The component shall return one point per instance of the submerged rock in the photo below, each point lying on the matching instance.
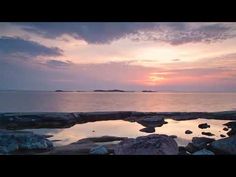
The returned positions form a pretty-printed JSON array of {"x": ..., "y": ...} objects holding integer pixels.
[
  {"x": 153, "y": 121},
  {"x": 98, "y": 150},
  {"x": 18, "y": 142},
  {"x": 204, "y": 126},
  {"x": 225, "y": 145},
  {"x": 208, "y": 134},
  {"x": 147, "y": 145},
  {"x": 188, "y": 132},
  {"x": 203, "y": 152},
  {"x": 225, "y": 129},
  {"x": 147, "y": 130}
]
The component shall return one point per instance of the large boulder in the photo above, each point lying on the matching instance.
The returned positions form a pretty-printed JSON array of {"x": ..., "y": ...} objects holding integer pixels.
[
  {"x": 152, "y": 121},
  {"x": 22, "y": 142},
  {"x": 225, "y": 146},
  {"x": 198, "y": 143},
  {"x": 155, "y": 144}
]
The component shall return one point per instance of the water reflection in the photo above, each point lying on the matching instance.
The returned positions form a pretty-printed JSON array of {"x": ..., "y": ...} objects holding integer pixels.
[{"x": 131, "y": 129}]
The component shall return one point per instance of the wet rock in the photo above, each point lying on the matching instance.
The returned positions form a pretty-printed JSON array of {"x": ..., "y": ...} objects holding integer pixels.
[
  {"x": 101, "y": 139},
  {"x": 173, "y": 136},
  {"x": 208, "y": 134},
  {"x": 188, "y": 132},
  {"x": 147, "y": 145},
  {"x": 203, "y": 152},
  {"x": 147, "y": 130},
  {"x": 203, "y": 126},
  {"x": 225, "y": 129},
  {"x": 98, "y": 150},
  {"x": 225, "y": 145},
  {"x": 153, "y": 121},
  {"x": 231, "y": 125},
  {"x": 18, "y": 142},
  {"x": 222, "y": 136}
]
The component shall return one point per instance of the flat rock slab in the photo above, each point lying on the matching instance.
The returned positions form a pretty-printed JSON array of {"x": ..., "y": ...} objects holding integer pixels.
[
  {"x": 147, "y": 145},
  {"x": 39, "y": 120},
  {"x": 65, "y": 120},
  {"x": 21, "y": 142}
]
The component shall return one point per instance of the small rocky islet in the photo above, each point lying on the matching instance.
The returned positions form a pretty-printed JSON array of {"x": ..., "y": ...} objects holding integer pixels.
[{"x": 15, "y": 141}]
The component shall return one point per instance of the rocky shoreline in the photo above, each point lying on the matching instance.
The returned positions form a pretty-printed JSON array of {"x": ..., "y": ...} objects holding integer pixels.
[{"x": 13, "y": 141}]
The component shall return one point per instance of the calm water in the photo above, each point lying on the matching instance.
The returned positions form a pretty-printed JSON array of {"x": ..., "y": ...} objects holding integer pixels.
[
  {"x": 22, "y": 101},
  {"x": 131, "y": 130}
]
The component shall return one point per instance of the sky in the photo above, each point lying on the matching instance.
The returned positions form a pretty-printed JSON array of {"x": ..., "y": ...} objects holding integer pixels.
[{"x": 162, "y": 56}]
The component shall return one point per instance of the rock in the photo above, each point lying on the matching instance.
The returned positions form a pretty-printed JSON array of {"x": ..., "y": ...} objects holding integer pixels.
[
  {"x": 18, "y": 142},
  {"x": 231, "y": 125},
  {"x": 16, "y": 121},
  {"x": 222, "y": 136},
  {"x": 101, "y": 139},
  {"x": 147, "y": 130},
  {"x": 203, "y": 126},
  {"x": 198, "y": 143},
  {"x": 188, "y": 132},
  {"x": 203, "y": 152},
  {"x": 201, "y": 142},
  {"x": 183, "y": 151},
  {"x": 225, "y": 129},
  {"x": 153, "y": 121},
  {"x": 99, "y": 150},
  {"x": 225, "y": 145},
  {"x": 208, "y": 134},
  {"x": 154, "y": 144},
  {"x": 173, "y": 136},
  {"x": 191, "y": 148}
]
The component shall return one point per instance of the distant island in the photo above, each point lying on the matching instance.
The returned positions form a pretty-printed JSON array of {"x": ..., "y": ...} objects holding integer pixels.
[
  {"x": 149, "y": 91},
  {"x": 101, "y": 90},
  {"x": 115, "y": 90}
]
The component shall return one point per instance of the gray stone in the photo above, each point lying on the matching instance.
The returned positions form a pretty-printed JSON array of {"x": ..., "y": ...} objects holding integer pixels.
[
  {"x": 203, "y": 152},
  {"x": 203, "y": 126},
  {"x": 99, "y": 150},
  {"x": 201, "y": 142},
  {"x": 153, "y": 121},
  {"x": 225, "y": 145},
  {"x": 147, "y": 145},
  {"x": 22, "y": 141},
  {"x": 208, "y": 134},
  {"x": 147, "y": 130},
  {"x": 188, "y": 132}
]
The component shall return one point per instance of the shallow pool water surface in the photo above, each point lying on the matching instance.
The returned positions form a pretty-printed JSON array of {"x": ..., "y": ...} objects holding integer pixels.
[{"x": 131, "y": 130}]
